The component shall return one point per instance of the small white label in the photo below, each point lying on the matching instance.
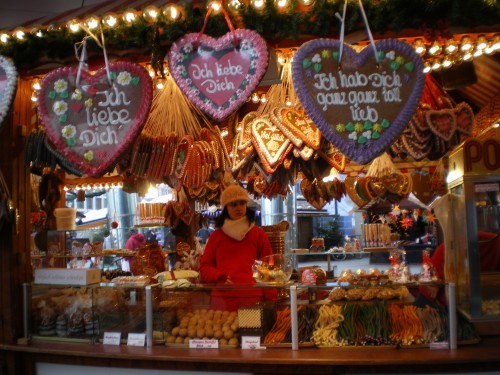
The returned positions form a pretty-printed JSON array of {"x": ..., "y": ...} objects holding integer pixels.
[
  {"x": 251, "y": 342},
  {"x": 136, "y": 339},
  {"x": 203, "y": 344},
  {"x": 112, "y": 338},
  {"x": 486, "y": 187}
]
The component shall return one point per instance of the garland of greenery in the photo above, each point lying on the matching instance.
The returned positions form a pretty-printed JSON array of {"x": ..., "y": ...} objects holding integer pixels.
[{"x": 275, "y": 26}]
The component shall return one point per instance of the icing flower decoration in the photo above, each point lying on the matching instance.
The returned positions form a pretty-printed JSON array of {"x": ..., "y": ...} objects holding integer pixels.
[
  {"x": 358, "y": 127},
  {"x": 77, "y": 95},
  {"x": 316, "y": 58},
  {"x": 124, "y": 78},
  {"x": 340, "y": 128},
  {"x": 353, "y": 136},
  {"x": 60, "y": 85},
  {"x": 60, "y": 107},
  {"x": 367, "y": 134},
  {"x": 69, "y": 131},
  {"x": 325, "y": 54},
  {"x": 89, "y": 102},
  {"x": 89, "y": 155},
  {"x": 377, "y": 127}
]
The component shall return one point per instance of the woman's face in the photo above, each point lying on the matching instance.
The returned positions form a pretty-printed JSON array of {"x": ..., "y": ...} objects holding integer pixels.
[{"x": 237, "y": 209}]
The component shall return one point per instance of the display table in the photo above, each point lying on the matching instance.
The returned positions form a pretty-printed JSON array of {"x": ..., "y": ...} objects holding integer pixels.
[{"x": 483, "y": 356}]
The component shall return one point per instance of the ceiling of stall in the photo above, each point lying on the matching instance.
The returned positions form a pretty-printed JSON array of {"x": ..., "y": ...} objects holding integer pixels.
[{"x": 481, "y": 87}]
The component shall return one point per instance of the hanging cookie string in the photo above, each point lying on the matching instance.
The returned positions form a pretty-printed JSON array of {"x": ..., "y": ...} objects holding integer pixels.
[{"x": 367, "y": 26}]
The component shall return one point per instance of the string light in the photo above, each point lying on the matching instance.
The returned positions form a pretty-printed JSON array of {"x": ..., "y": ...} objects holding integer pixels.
[
  {"x": 307, "y": 3},
  {"x": 129, "y": 16},
  {"x": 73, "y": 25},
  {"x": 216, "y": 6},
  {"x": 435, "y": 48},
  {"x": 234, "y": 4},
  {"x": 255, "y": 98},
  {"x": 281, "y": 4},
  {"x": 258, "y": 4},
  {"x": 110, "y": 19},
  {"x": 35, "y": 85},
  {"x": 33, "y": 96},
  {"x": 172, "y": 12},
  {"x": 4, "y": 37},
  {"x": 92, "y": 22},
  {"x": 151, "y": 13},
  {"x": 19, "y": 33}
]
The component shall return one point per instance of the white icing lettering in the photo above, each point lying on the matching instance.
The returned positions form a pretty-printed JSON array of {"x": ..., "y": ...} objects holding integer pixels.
[{"x": 92, "y": 138}]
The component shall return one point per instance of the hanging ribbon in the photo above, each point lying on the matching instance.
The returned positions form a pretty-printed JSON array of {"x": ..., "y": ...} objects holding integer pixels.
[
  {"x": 367, "y": 26},
  {"x": 368, "y": 31},
  {"x": 82, "y": 55},
  {"x": 228, "y": 22}
]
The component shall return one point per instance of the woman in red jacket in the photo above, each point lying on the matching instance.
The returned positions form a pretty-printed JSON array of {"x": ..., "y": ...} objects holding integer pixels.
[{"x": 231, "y": 251}]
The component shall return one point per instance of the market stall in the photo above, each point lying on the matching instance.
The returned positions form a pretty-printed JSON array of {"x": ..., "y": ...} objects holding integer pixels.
[{"x": 201, "y": 96}]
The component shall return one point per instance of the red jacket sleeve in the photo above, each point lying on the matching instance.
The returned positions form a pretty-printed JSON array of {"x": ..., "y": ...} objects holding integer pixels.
[{"x": 209, "y": 273}]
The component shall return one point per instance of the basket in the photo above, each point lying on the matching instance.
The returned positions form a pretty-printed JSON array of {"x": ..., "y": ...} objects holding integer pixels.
[{"x": 65, "y": 218}]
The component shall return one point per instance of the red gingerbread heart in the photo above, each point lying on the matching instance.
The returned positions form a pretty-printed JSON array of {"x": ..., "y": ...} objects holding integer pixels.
[
  {"x": 218, "y": 75},
  {"x": 94, "y": 122}
]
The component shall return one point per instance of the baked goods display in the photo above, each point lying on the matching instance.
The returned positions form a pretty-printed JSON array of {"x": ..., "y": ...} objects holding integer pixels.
[
  {"x": 204, "y": 324},
  {"x": 76, "y": 312}
]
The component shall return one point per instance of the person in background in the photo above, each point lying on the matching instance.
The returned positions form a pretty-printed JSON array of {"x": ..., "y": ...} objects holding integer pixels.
[
  {"x": 108, "y": 242},
  {"x": 203, "y": 233},
  {"x": 231, "y": 251},
  {"x": 134, "y": 242}
]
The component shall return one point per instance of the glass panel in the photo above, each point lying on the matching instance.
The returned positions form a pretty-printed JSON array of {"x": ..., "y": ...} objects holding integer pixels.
[{"x": 487, "y": 199}]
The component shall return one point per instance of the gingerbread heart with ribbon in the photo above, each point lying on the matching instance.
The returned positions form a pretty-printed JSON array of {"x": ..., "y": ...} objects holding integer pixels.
[
  {"x": 92, "y": 119},
  {"x": 218, "y": 74},
  {"x": 464, "y": 116},
  {"x": 361, "y": 102},
  {"x": 8, "y": 86}
]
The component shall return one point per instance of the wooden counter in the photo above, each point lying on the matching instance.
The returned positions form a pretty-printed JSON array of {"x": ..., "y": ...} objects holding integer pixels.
[{"x": 484, "y": 356}]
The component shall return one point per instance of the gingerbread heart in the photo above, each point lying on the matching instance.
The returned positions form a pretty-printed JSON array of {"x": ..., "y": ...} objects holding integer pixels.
[
  {"x": 93, "y": 123},
  {"x": 464, "y": 116},
  {"x": 8, "y": 86},
  {"x": 269, "y": 142},
  {"x": 245, "y": 132},
  {"x": 442, "y": 123},
  {"x": 332, "y": 155},
  {"x": 218, "y": 75},
  {"x": 362, "y": 103},
  {"x": 393, "y": 182},
  {"x": 297, "y": 126},
  {"x": 422, "y": 187},
  {"x": 350, "y": 187}
]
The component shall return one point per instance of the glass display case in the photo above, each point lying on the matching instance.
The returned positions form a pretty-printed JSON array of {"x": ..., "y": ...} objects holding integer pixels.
[
  {"x": 473, "y": 210},
  {"x": 362, "y": 311},
  {"x": 84, "y": 313}
]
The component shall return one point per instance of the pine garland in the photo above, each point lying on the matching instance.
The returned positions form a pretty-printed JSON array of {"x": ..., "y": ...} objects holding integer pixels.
[{"x": 320, "y": 21}]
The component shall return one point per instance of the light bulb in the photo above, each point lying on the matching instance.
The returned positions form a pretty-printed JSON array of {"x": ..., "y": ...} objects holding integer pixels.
[
  {"x": 110, "y": 19},
  {"x": 19, "y": 33},
  {"x": 92, "y": 22},
  {"x": 151, "y": 13},
  {"x": 129, "y": 16},
  {"x": 172, "y": 12},
  {"x": 73, "y": 25}
]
